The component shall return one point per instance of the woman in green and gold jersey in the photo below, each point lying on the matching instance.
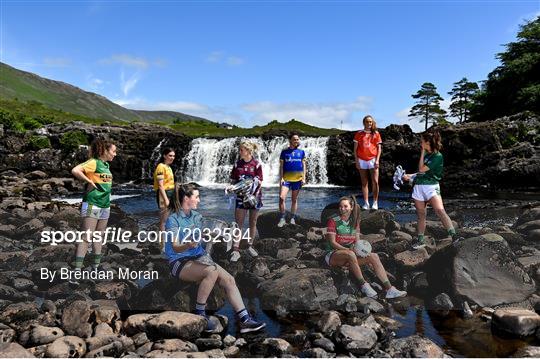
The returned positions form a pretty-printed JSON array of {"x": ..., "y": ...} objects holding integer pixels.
[
  {"x": 164, "y": 185},
  {"x": 95, "y": 208}
]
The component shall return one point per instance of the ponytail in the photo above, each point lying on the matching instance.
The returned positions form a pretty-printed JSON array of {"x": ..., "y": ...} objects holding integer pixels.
[
  {"x": 181, "y": 190},
  {"x": 355, "y": 213}
]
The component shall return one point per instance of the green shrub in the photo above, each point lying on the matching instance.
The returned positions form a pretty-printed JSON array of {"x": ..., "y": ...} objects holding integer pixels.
[
  {"x": 30, "y": 123},
  {"x": 71, "y": 140},
  {"x": 39, "y": 142}
]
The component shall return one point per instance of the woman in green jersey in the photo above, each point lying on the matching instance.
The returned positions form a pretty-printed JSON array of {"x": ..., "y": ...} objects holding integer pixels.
[{"x": 95, "y": 208}]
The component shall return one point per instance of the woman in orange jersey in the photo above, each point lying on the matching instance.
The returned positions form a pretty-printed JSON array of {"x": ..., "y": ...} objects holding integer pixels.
[{"x": 367, "y": 153}]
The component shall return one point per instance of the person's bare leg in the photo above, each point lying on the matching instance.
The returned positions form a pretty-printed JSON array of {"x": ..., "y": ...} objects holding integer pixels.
[
  {"x": 283, "y": 190},
  {"x": 253, "y": 215},
  {"x": 438, "y": 206},
  {"x": 347, "y": 258},
  {"x": 421, "y": 212},
  {"x": 204, "y": 274},
  {"x": 375, "y": 262},
  {"x": 240, "y": 216},
  {"x": 364, "y": 177},
  {"x": 228, "y": 283},
  {"x": 374, "y": 173},
  {"x": 294, "y": 202},
  {"x": 82, "y": 247},
  {"x": 97, "y": 246}
]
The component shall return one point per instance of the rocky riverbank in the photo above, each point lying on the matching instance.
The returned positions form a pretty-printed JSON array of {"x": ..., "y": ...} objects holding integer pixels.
[{"x": 492, "y": 275}]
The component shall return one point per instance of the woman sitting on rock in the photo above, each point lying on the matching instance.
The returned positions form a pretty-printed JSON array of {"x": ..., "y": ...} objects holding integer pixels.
[
  {"x": 343, "y": 231},
  {"x": 189, "y": 261},
  {"x": 96, "y": 202},
  {"x": 426, "y": 188}
]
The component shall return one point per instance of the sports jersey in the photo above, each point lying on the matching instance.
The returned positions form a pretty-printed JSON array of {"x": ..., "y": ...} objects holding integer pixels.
[
  {"x": 293, "y": 167},
  {"x": 179, "y": 225},
  {"x": 435, "y": 162},
  {"x": 98, "y": 172},
  {"x": 368, "y": 143},
  {"x": 163, "y": 172},
  {"x": 250, "y": 169},
  {"x": 344, "y": 231}
]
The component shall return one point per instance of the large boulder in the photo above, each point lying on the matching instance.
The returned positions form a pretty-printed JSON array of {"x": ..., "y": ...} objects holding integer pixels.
[
  {"x": 357, "y": 339},
  {"x": 515, "y": 322},
  {"x": 167, "y": 324},
  {"x": 267, "y": 225},
  {"x": 14, "y": 350},
  {"x": 299, "y": 289},
  {"x": 486, "y": 273},
  {"x": 414, "y": 346}
]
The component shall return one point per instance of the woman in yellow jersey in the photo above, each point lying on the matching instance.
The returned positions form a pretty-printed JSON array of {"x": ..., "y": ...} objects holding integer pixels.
[
  {"x": 164, "y": 185},
  {"x": 96, "y": 203}
]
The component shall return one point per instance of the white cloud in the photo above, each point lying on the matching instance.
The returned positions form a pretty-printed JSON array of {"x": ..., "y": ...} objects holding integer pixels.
[
  {"x": 94, "y": 83},
  {"x": 328, "y": 115},
  {"x": 216, "y": 57},
  {"x": 126, "y": 60},
  {"x": 128, "y": 84},
  {"x": 56, "y": 62}
]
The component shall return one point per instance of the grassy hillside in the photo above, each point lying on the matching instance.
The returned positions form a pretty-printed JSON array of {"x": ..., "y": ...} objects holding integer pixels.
[{"x": 26, "y": 86}]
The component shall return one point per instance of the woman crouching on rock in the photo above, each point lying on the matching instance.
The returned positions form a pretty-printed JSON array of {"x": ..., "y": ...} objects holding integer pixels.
[
  {"x": 189, "y": 261},
  {"x": 343, "y": 232},
  {"x": 96, "y": 202}
]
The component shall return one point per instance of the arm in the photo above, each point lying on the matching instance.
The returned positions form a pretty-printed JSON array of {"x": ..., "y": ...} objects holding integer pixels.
[
  {"x": 331, "y": 237},
  {"x": 280, "y": 171},
  {"x": 422, "y": 168},
  {"x": 379, "y": 151},
  {"x": 78, "y": 172},
  {"x": 304, "y": 178},
  {"x": 176, "y": 231},
  {"x": 162, "y": 193},
  {"x": 356, "y": 156}
]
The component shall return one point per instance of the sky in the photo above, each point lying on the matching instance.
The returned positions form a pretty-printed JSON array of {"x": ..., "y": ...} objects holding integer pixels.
[{"x": 326, "y": 63}]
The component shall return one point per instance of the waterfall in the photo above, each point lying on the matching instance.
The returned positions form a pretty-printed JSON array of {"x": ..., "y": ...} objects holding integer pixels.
[
  {"x": 210, "y": 161},
  {"x": 148, "y": 165}
]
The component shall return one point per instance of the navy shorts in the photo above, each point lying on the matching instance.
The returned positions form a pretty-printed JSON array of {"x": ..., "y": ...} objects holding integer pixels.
[{"x": 293, "y": 186}]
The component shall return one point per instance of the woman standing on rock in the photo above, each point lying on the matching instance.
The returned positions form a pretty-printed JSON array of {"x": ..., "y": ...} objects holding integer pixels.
[
  {"x": 426, "y": 188},
  {"x": 189, "y": 261},
  {"x": 343, "y": 231},
  {"x": 164, "y": 186},
  {"x": 367, "y": 153},
  {"x": 247, "y": 167},
  {"x": 95, "y": 208}
]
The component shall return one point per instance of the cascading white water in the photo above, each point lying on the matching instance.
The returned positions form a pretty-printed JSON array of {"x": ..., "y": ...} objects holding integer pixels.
[
  {"x": 209, "y": 162},
  {"x": 148, "y": 165}
]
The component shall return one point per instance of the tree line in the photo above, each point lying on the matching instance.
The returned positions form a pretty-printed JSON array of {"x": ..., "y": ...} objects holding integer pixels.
[{"x": 512, "y": 87}]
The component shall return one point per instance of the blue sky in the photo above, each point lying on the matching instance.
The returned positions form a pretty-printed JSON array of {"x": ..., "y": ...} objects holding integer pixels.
[{"x": 250, "y": 62}]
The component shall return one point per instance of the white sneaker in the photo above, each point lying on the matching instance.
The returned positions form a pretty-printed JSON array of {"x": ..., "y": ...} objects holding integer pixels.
[
  {"x": 393, "y": 292},
  {"x": 293, "y": 221},
  {"x": 368, "y": 291},
  {"x": 281, "y": 222},
  {"x": 252, "y": 252},
  {"x": 366, "y": 206},
  {"x": 375, "y": 205},
  {"x": 235, "y": 256}
]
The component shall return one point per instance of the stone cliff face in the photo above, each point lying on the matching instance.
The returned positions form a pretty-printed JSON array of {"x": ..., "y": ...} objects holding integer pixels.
[
  {"x": 500, "y": 154},
  {"x": 136, "y": 149}
]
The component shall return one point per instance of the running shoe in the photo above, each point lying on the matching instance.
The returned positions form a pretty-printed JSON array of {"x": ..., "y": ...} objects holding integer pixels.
[
  {"x": 393, "y": 292},
  {"x": 252, "y": 252},
  {"x": 235, "y": 256},
  {"x": 293, "y": 221},
  {"x": 417, "y": 244},
  {"x": 281, "y": 222},
  {"x": 368, "y": 291},
  {"x": 456, "y": 239},
  {"x": 375, "y": 205},
  {"x": 365, "y": 206},
  {"x": 251, "y": 325}
]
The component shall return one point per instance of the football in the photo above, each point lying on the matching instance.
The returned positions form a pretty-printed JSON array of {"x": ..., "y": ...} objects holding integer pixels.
[{"x": 362, "y": 248}]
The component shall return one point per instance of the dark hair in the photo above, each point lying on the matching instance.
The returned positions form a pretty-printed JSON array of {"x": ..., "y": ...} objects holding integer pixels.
[
  {"x": 355, "y": 209},
  {"x": 165, "y": 152},
  {"x": 98, "y": 147},
  {"x": 433, "y": 137},
  {"x": 292, "y": 134},
  {"x": 373, "y": 126},
  {"x": 181, "y": 190}
]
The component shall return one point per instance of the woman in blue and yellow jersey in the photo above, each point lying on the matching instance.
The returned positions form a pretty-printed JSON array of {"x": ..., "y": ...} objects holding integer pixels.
[
  {"x": 292, "y": 174},
  {"x": 164, "y": 184},
  {"x": 95, "y": 208}
]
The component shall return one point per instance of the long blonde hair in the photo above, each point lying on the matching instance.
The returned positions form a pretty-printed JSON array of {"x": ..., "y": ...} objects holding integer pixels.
[{"x": 373, "y": 126}]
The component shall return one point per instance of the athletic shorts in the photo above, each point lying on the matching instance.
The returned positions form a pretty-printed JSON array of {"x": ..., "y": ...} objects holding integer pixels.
[
  {"x": 424, "y": 192},
  {"x": 293, "y": 186},
  {"x": 177, "y": 265},
  {"x": 367, "y": 165},
  {"x": 327, "y": 256},
  {"x": 159, "y": 200},
  {"x": 93, "y": 211},
  {"x": 240, "y": 204}
]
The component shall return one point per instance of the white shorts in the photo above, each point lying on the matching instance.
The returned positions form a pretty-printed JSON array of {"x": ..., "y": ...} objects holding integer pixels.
[
  {"x": 367, "y": 165},
  {"x": 93, "y": 211},
  {"x": 424, "y": 192},
  {"x": 327, "y": 257}
]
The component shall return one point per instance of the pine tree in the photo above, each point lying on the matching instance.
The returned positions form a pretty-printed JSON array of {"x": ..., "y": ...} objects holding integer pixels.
[
  {"x": 462, "y": 94},
  {"x": 427, "y": 108}
]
